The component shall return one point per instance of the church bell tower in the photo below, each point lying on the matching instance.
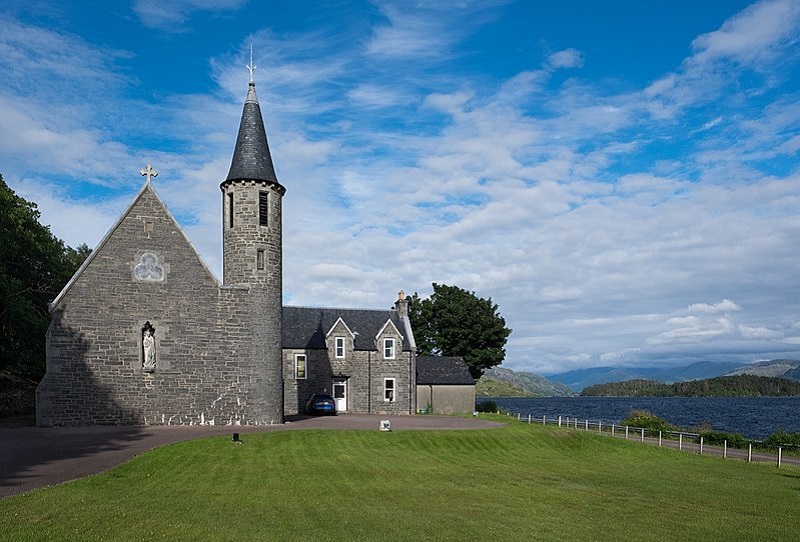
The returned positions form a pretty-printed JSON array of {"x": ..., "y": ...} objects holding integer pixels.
[{"x": 252, "y": 259}]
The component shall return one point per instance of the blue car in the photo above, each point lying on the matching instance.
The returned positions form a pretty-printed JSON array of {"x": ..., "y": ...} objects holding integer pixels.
[{"x": 320, "y": 404}]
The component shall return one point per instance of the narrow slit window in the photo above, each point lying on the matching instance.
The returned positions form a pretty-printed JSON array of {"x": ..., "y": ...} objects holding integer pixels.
[
  {"x": 230, "y": 209},
  {"x": 260, "y": 259},
  {"x": 263, "y": 208}
]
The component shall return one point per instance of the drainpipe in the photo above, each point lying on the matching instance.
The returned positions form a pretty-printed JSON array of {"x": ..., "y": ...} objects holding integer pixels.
[
  {"x": 412, "y": 387},
  {"x": 369, "y": 381}
]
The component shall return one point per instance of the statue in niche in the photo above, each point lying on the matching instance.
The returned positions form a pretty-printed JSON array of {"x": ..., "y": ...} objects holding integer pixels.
[{"x": 149, "y": 346}]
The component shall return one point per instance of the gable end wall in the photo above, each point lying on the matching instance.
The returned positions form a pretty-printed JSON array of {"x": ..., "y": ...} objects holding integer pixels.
[{"x": 210, "y": 356}]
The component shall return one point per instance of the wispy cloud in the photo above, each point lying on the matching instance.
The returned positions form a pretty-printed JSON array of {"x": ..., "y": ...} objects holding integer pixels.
[{"x": 172, "y": 15}]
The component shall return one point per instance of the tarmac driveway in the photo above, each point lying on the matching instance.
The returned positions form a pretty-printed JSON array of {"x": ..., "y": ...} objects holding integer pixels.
[{"x": 34, "y": 457}]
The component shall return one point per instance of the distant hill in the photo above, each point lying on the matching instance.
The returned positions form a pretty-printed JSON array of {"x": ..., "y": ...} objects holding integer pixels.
[
  {"x": 491, "y": 387},
  {"x": 533, "y": 384},
  {"x": 583, "y": 378},
  {"x": 783, "y": 368},
  {"x": 721, "y": 386}
]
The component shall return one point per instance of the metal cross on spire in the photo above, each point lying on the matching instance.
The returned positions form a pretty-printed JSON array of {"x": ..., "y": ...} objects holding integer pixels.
[
  {"x": 250, "y": 66},
  {"x": 149, "y": 172}
]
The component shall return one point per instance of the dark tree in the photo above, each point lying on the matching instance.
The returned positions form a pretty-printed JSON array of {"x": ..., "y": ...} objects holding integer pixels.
[
  {"x": 456, "y": 322},
  {"x": 34, "y": 266}
]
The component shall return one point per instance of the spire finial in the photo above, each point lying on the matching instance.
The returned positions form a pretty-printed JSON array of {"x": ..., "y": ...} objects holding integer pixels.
[
  {"x": 250, "y": 66},
  {"x": 149, "y": 172}
]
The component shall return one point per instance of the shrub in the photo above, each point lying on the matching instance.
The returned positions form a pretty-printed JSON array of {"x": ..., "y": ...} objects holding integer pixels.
[
  {"x": 718, "y": 438},
  {"x": 649, "y": 421},
  {"x": 487, "y": 406},
  {"x": 782, "y": 438}
]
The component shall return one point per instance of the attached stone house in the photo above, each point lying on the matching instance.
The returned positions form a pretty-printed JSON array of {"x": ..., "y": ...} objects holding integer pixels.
[
  {"x": 365, "y": 359},
  {"x": 144, "y": 333},
  {"x": 444, "y": 385}
]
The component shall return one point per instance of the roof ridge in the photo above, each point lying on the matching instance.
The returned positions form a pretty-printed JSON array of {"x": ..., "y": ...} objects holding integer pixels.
[{"x": 336, "y": 308}]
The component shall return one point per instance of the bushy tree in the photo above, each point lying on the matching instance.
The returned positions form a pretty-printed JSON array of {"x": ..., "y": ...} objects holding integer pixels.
[
  {"x": 456, "y": 322},
  {"x": 34, "y": 266}
]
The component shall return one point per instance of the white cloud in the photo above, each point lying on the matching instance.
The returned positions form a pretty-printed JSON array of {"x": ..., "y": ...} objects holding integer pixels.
[
  {"x": 752, "y": 35},
  {"x": 568, "y": 58},
  {"x": 760, "y": 332},
  {"x": 726, "y": 305}
]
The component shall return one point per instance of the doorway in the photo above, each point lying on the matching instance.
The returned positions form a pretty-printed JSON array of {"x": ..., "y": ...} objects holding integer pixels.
[{"x": 340, "y": 394}]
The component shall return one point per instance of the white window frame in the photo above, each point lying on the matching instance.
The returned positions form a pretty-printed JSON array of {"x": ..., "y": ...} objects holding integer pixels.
[
  {"x": 389, "y": 345},
  {"x": 297, "y": 359},
  {"x": 389, "y": 391},
  {"x": 338, "y": 347}
]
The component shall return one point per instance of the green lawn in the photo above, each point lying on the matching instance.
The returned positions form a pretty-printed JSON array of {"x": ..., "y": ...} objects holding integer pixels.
[{"x": 520, "y": 482}]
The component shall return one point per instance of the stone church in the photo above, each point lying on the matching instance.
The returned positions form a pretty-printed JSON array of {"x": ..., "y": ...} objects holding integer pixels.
[{"x": 144, "y": 333}]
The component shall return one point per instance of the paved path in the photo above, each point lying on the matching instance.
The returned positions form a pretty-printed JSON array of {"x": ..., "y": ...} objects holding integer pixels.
[{"x": 34, "y": 457}]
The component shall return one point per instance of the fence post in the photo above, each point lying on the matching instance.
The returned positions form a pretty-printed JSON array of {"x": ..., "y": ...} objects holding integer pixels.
[
  {"x": 544, "y": 419},
  {"x": 701, "y": 445},
  {"x": 626, "y": 432},
  {"x": 559, "y": 421},
  {"x": 576, "y": 424},
  {"x": 725, "y": 449},
  {"x": 529, "y": 419},
  {"x": 750, "y": 452},
  {"x": 779, "y": 456},
  {"x": 659, "y": 438},
  {"x": 680, "y": 441},
  {"x": 613, "y": 427},
  {"x": 600, "y": 427}
]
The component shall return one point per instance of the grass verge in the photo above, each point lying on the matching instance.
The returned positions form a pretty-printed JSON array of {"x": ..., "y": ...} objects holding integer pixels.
[{"x": 520, "y": 482}]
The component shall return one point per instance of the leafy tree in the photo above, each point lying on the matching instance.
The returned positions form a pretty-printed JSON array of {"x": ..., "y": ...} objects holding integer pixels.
[
  {"x": 456, "y": 322},
  {"x": 34, "y": 266}
]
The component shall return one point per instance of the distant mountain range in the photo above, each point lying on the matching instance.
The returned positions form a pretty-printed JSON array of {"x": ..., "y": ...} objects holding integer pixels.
[
  {"x": 582, "y": 378},
  {"x": 781, "y": 368},
  {"x": 500, "y": 382}
]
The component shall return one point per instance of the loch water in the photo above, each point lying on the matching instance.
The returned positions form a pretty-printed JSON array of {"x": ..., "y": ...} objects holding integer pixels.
[{"x": 753, "y": 417}]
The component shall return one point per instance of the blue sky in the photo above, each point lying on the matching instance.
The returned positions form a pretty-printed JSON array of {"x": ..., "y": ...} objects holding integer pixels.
[{"x": 620, "y": 177}]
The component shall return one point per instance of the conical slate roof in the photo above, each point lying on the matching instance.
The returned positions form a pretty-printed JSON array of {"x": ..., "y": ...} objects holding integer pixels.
[{"x": 251, "y": 157}]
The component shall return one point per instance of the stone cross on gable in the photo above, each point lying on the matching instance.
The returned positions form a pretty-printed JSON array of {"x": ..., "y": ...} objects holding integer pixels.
[{"x": 149, "y": 172}]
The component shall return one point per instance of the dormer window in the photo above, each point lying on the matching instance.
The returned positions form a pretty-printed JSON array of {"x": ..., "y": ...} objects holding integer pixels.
[
  {"x": 338, "y": 347},
  {"x": 388, "y": 348}
]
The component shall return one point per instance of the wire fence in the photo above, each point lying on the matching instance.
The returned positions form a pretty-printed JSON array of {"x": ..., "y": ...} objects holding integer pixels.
[{"x": 754, "y": 451}]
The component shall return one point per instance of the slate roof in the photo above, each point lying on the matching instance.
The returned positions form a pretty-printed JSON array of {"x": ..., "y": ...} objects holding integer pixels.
[
  {"x": 305, "y": 327},
  {"x": 251, "y": 158},
  {"x": 438, "y": 370}
]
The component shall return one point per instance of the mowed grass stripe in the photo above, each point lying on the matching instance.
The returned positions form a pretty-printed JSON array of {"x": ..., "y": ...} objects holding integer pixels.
[{"x": 521, "y": 482}]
